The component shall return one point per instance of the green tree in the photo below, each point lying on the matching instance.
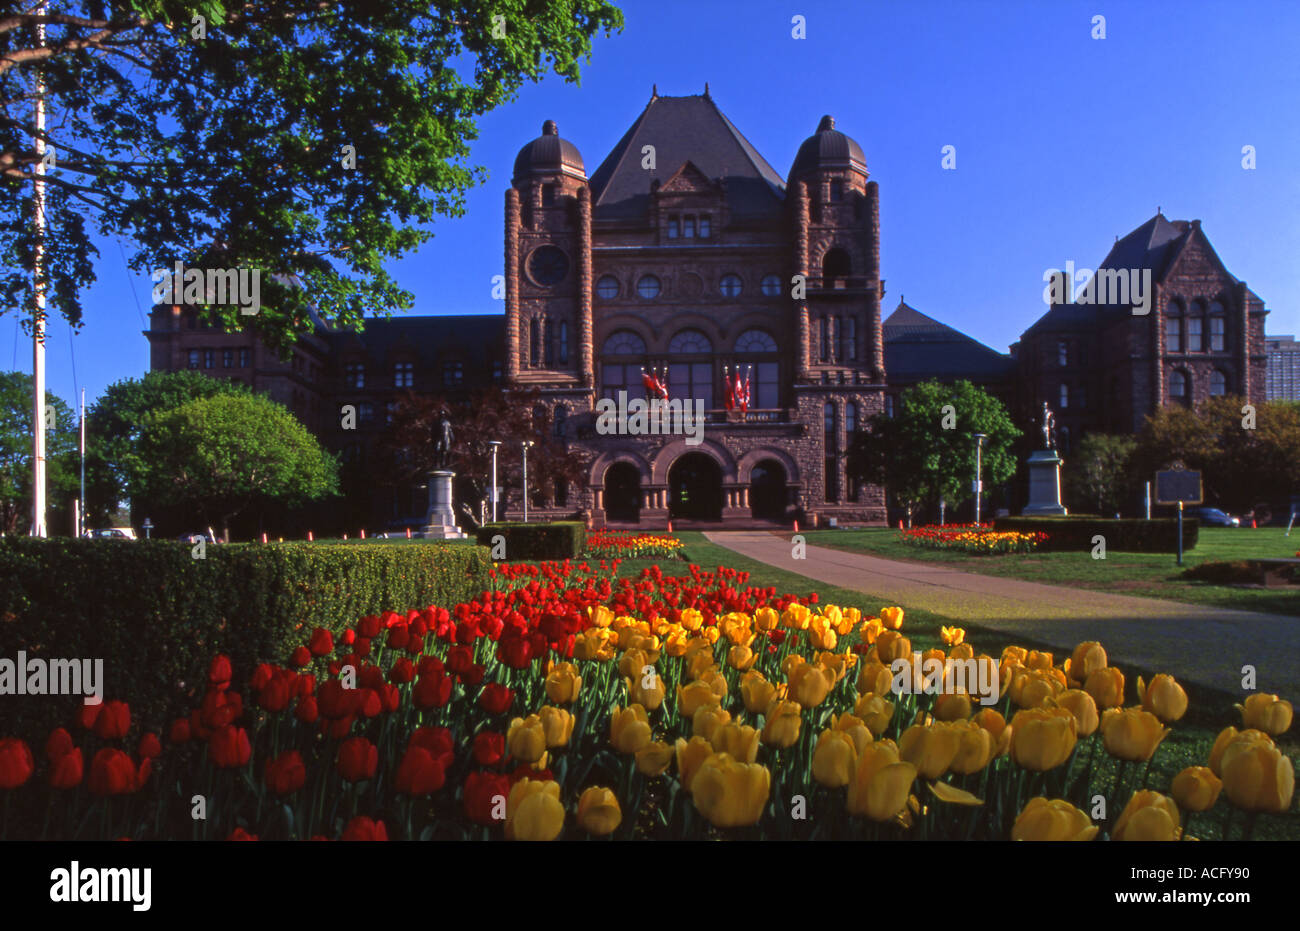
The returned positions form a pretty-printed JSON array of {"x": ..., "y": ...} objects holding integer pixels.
[
  {"x": 926, "y": 452},
  {"x": 62, "y": 476},
  {"x": 114, "y": 468},
  {"x": 1099, "y": 474},
  {"x": 221, "y": 454},
  {"x": 313, "y": 140}
]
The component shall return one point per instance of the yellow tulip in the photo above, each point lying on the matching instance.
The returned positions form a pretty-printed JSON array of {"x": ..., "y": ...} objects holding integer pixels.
[
  {"x": 533, "y": 811},
  {"x": 557, "y": 725},
  {"x": 1148, "y": 816},
  {"x": 675, "y": 642},
  {"x": 593, "y": 644},
  {"x": 1052, "y": 820},
  {"x": 821, "y": 636},
  {"x": 1034, "y": 688},
  {"x": 1083, "y": 707},
  {"x": 526, "y": 739},
  {"x": 1106, "y": 686},
  {"x": 783, "y": 721},
  {"x": 739, "y": 741},
  {"x": 1015, "y": 654},
  {"x": 991, "y": 720},
  {"x": 1131, "y": 734},
  {"x": 1164, "y": 698},
  {"x": 646, "y": 688},
  {"x": 1196, "y": 788},
  {"x": 1258, "y": 776},
  {"x": 707, "y": 719},
  {"x": 892, "y": 618},
  {"x": 952, "y": 706},
  {"x": 796, "y": 616},
  {"x": 691, "y": 619},
  {"x": 563, "y": 683},
  {"x": 654, "y": 758},
  {"x": 694, "y": 696},
  {"x": 809, "y": 685},
  {"x": 856, "y": 728},
  {"x": 756, "y": 692},
  {"x": 874, "y": 678},
  {"x": 1087, "y": 658},
  {"x": 598, "y": 811},
  {"x": 875, "y": 712},
  {"x": 741, "y": 657},
  {"x": 690, "y": 754},
  {"x": 629, "y": 728},
  {"x": 892, "y": 645},
  {"x": 835, "y": 664},
  {"x": 930, "y": 748},
  {"x": 951, "y": 636},
  {"x": 1042, "y": 738},
  {"x": 1266, "y": 713},
  {"x": 730, "y": 793},
  {"x": 976, "y": 748},
  {"x": 1035, "y": 659},
  {"x": 766, "y": 619},
  {"x": 599, "y": 616},
  {"x": 871, "y": 629},
  {"x": 632, "y": 662},
  {"x": 881, "y": 782},
  {"x": 1228, "y": 736},
  {"x": 834, "y": 759}
]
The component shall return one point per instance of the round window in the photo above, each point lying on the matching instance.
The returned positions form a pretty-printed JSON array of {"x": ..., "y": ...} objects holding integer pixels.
[
  {"x": 548, "y": 265},
  {"x": 607, "y": 287},
  {"x": 730, "y": 286},
  {"x": 771, "y": 285},
  {"x": 648, "y": 286}
]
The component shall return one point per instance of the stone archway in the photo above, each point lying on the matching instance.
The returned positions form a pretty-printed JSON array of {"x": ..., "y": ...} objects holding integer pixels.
[
  {"x": 768, "y": 495},
  {"x": 695, "y": 487},
  {"x": 622, "y": 495}
]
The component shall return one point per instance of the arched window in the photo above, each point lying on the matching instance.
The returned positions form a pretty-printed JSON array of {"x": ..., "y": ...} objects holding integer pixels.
[
  {"x": 756, "y": 350},
  {"x": 831, "y": 473},
  {"x": 1195, "y": 323},
  {"x": 836, "y": 264},
  {"x": 1218, "y": 327},
  {"x": 1173, "y": 327},
  {"x": 1178, "y": 386},
  {"x": 851, "y": 418},
  {"x": 692, "y": 378},
  {"x": 755, "y": 341},
  {"x": 1065, "y": 396},
  {"x": 561, "y": 415},
  {"x": 620, "y": 369},
  {"x": 1218, "y": 384}
]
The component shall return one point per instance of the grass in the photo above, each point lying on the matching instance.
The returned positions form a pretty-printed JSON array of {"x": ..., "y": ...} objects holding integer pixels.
[
  {"x": 1153, "y": 575},
  {"x": 1188, "y": 744}
]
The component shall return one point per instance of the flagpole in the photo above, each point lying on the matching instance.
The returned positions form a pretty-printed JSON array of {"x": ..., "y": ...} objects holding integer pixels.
[
  {"x": 38, "y": 289},
  {"x": 81, "y": 512}
]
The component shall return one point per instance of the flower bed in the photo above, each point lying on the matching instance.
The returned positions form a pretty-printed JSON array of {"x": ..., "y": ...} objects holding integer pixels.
[
  {"x": 626, "y": 544},
  {"x": 976, "y": 539},
  {"x": 567, "y": 704}
]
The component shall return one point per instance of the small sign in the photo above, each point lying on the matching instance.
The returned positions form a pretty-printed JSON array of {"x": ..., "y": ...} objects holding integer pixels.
[{"x": 1178, "y": 485}]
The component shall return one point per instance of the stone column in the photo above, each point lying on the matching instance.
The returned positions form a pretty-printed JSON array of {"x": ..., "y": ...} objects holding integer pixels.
[
  {"x": 586, "y": 371},
  {"x": 801, "y": 373},
  {"x": 512, "y": 283},
  {"x": 875, "y": 327}
]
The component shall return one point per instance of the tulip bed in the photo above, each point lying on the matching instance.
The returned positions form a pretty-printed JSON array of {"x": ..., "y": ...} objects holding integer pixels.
[
  {"x": 625, "y": 544},
  {"x": 975, "y": 539},
  {"x": 568, "y": 703}
]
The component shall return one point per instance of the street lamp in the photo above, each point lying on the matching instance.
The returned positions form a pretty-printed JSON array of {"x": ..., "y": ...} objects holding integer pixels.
[
  {"x": 977, "y": 486},
  {"x": 527, "y": 444},
  {"x": 495, "y": 444}
]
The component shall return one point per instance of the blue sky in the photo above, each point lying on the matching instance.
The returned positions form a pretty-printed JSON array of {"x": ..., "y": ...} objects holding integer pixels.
[{"x": 1063, "y": 142}]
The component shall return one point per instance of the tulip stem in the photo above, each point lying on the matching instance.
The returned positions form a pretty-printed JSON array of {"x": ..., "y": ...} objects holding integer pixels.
[{"x": 1187, "y": 826}]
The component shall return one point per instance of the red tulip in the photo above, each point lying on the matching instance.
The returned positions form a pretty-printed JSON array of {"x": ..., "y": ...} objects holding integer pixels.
[
  {"x": 68, "y": 770},
  {"x": 338, "y": 728},
  {"x": 357, "y": 759},
  {"x": 485, "y": 792},
  {"x": 228, "y": 747},
  {"x": 488, "y": 748},
  {"x": 496, "y": 698},
  {"x": 286, "y": 773},
  {"x": 263, "y": 674},
  {"x": 437, "y": 740},
  {"x": 57, "y": 744},
  {"x": 220, "y": 709},
  {"x": 334, "y": 700},
  {"x": 419, "y": 773},
  {"x": 241, "y": 834},
  {"x": 362, "y": 828},
  {"x": 301, "y": 657},
  {"x": 306, "y": 711},
  {"x": 369, "y": 627},
  {"x": 433, "y": 690},
  {"x": 219, "y": 672},
  {"x": 150, "y": 747},
  {"x": 86, "y": 715},
  {"x": 111, "y": 773},
  {"x": 473, "y": 675},
  {"x": 274, "y": 696},
  {"x": 321, "y": 643},
  {"x": 180, "y": 732},
  {"x": 16, "y": 763},
  {"x": 113, "y": 720},
  {"x": 369, "y": 703},
  {"x": 403, "y": 671},
  {"x": 459, "y": 659}
]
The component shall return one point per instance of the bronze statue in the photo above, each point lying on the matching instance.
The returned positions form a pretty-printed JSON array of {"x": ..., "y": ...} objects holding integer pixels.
[
  {"x": 442, "y": 446},
  {"x": 1048, "y": 427}
]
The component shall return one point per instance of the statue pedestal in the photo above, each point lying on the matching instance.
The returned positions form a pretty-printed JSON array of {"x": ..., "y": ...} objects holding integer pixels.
[
  {"x": 441, "y": 522},
  {"x": 1044, "y": 484}
]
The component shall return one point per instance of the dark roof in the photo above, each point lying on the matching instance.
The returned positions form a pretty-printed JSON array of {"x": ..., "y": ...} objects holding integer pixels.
[
  {"x": 548, "y": 154},
  {"x": 683, "y": 129},
  {"x": 475, "y": 340},
  {"x": 828, "y": 148},
  {"x": 918, "y": 347}
]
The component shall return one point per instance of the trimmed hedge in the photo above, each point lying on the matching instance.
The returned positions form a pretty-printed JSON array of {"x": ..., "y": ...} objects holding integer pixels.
[
  {"x": 561, "y": 539},
  {"x": 1130, "y": 535},
  {"x": 155, "y": 615}
]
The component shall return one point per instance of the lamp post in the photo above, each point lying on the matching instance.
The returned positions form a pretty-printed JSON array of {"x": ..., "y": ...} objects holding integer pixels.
[
  {"x": 977, "y": 486},
  {"x": 495, "y": 444},
  {"x": 527, "y": 444}
]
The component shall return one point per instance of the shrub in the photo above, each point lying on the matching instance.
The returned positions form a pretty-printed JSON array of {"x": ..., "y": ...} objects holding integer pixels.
[
  {"x": 155, "y": 615},
  {"x": 561, "y": 539},
  {"x": 1132, "y": 535}
]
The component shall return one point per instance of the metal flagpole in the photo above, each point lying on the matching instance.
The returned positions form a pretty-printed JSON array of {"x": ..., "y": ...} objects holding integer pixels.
[
  {"x": 38, "y": 289},
  {"x": 81, "y": 513}
]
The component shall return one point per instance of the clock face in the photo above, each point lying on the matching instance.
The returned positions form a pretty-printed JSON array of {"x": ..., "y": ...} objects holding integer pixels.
[{"x": 547, "y": 265}]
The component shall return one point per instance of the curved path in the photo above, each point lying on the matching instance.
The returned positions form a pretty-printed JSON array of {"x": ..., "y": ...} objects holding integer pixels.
[{"x": 1200, "y": 644}]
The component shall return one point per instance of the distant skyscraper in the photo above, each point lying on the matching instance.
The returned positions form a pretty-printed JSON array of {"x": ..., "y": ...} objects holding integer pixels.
[{"x": 1283, "y": 379}]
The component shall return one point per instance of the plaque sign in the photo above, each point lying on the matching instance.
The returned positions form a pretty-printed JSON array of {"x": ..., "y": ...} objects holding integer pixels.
[{"x": 1178, "y": 486}]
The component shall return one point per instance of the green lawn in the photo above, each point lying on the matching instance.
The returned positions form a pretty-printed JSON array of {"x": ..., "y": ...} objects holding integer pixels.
[{"x": 1153, "y": 575}]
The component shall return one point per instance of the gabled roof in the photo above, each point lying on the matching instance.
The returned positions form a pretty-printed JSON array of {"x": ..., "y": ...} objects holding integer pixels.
[
  {"x": 683, "y": 129},
  {"x": 920, "y": 347},
  {"x": 471, "y": 339}
]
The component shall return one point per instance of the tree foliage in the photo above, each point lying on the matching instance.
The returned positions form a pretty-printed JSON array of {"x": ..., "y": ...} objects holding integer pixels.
[
  {"x": 223, "y": 453},
  {"x": 926, "y": 452},
  {"x": 1099, "y": 476},
  {"x": 61, "y": 467},
  {"x": 223, "y": 133}
]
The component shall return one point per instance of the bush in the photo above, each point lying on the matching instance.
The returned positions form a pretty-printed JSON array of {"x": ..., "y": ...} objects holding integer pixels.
[
  {"x": 155, "y": 615},
  {"x": 1243, "y": 572},
  {"x": 561, "y": 539},
  {"x": 1132, "y": 535}
]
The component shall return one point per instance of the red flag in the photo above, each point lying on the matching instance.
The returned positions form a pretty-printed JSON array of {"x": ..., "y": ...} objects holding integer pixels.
[
  {"x": 650, "y": 384},
  {"x": 745, "y": 406},
  {"x": 730, "y": 401}
]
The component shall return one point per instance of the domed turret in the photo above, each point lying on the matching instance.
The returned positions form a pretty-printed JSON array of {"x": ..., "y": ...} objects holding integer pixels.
[
  {"x": 548, "y": 154},
  {"x": 827, "y": 148}
]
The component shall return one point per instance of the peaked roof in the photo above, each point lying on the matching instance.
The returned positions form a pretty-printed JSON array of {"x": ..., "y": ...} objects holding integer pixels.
[
  {"x": 683, "y": 129},
  {"x": 918, "y": 347}
]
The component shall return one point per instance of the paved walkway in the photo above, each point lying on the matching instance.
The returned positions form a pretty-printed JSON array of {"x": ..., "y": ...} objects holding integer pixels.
[{"x": 1195, "y": 643}]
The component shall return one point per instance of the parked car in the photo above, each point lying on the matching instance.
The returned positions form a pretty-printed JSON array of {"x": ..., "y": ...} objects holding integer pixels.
[
  {"x": 197, "y": 535},
  {"x": 1213, "y": 517},
  {"x": 112, "y": 533}
]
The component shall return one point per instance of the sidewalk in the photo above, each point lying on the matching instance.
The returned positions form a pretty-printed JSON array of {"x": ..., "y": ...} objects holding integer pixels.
[{"x": 1195, "y": 643}]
